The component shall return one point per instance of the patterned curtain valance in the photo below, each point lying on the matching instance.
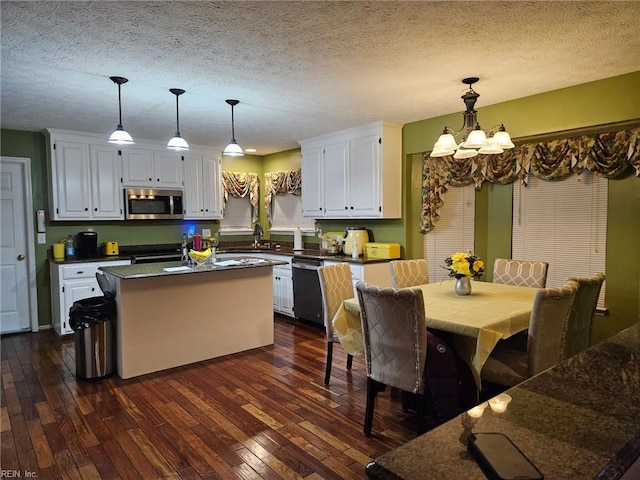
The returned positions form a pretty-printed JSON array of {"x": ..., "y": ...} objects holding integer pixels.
[
  {"x": 280, "y": 183},
  {"x": 241, "y": 184},
  {"x": 606, "y": 154}
]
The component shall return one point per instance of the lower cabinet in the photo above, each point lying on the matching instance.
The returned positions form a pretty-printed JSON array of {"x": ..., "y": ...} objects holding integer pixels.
[
  {"x": 371, "y": 273},
  {"x": 282, "y": 285},
  {"x": 72, "y": 282}
]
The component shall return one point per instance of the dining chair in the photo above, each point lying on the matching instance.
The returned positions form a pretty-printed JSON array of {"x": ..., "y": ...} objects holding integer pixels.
[
  {"x": 577, "y": 336},
  {"x": 522, "y": 273},
  {"x": 336, "y": 286},
  {"x": 508, "y": 364},
  {"x": 408, "y": 273},
  {"x": 395, "y": 346}
]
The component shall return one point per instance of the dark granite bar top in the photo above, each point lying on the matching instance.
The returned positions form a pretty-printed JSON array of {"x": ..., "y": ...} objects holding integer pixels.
[
  {"x": 578, "y": 420},
  {"x": 148, "y": 270}
]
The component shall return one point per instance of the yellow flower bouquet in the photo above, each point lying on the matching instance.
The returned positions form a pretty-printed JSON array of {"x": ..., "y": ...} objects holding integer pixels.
[{"x": 464, "y": 264}]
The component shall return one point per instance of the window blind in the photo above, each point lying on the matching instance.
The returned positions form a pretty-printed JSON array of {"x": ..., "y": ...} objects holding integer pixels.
[
  {"x": 564, "y": 223},
  {"x": 454, "y": 231},
  {"x": 286, "y": 214},
  {"x": 237, "y": 215}
]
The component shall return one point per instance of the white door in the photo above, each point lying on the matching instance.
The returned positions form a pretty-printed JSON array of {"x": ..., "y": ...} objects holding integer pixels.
[{"x": 17, "y": 266}]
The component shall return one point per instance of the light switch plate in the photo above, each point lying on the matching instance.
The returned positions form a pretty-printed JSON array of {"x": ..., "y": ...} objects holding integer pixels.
[
  {"x": 206, "y": 232},
  {"x": 42, "y": 238}
]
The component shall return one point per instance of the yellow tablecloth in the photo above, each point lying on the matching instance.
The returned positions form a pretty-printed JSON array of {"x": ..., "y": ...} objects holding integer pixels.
[{"x": 492, "y": 312}]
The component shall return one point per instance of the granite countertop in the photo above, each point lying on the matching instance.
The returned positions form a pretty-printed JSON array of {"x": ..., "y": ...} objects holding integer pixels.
[
  {"x": 573, "y": 421},
  {"x": 285, "y": 251},
  {"x": 148, "y": 270}
]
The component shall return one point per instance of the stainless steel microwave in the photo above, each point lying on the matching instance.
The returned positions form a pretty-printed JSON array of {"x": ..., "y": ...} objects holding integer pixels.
[{"x": 153, "y": 204}]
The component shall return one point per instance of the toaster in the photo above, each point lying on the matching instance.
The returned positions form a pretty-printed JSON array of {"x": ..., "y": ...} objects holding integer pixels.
[{"x": 111, "y": 248}]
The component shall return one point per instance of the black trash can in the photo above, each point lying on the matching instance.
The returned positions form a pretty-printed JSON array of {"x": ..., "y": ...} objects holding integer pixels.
[{"x": 92, "y": 320}]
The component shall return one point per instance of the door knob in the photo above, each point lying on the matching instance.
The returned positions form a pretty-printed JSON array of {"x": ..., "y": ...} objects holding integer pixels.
[{"x": 21, "y": 257}]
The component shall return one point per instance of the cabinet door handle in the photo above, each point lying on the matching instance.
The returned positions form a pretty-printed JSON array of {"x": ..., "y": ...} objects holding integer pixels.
[
  {"x": 346, "y": 208},
  {"x": 150, "y": 179},
  {"x": 157, "y": 180},
  {"x": 93, "y": 289},
  {"x": 95, "y": 209},
  {"x": 86, "y": 209}
]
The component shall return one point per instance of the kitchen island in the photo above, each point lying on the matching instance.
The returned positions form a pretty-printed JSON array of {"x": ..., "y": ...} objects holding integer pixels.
[{"x": 170, "y": 316}]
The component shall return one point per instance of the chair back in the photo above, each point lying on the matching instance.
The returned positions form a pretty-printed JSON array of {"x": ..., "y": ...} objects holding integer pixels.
[
  {"x": 336, "y": 286},
  {"x": 577, "y": 336},
  {"x": 522, "y": 273},
  {"x": 549, "y": 316},
  {"x": 394, "y": 335},
  {"x": 409, "y": 273}
]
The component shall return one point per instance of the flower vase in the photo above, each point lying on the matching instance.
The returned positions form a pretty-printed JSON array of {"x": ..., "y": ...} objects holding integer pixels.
[{"x": 463, "y": 286}]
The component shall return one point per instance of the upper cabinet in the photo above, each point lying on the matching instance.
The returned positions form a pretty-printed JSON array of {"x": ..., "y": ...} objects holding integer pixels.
[
  {"x": 148, "y": 168},
  {"x": 85, "y": 177},
  {"x": 354, "y": 173},
  {"x": 202, "y": 186}
]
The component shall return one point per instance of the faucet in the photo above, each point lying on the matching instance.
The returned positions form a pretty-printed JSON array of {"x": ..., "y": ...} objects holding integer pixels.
[{"x": 257, "y": 233}]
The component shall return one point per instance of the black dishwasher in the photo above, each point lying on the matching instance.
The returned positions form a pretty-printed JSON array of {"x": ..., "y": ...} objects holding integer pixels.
[{"x": 307, "y": 297}]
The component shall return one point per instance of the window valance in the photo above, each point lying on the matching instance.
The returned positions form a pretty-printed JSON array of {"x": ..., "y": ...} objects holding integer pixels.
[
  {"x": 607, "y": 154},
  {"x": 280, "y": 183},
  {"x": 241, "y": 184}
]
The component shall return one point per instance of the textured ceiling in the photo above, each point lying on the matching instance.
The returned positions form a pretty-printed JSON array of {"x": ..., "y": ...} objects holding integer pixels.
[{"x": 298, "y": 68}]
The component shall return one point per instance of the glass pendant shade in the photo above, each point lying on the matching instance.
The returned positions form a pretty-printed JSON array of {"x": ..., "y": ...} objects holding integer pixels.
[
  {"x": 177, "y": 143},
  {"x": 233, "y": 149},
  {"x": 446, "y": 141},
  {"x": 465, "y": 153},
  {"x": 120, "y": 136},
  {"x": 491, "y": 147},
  {"x": 503, "y": 138},
  {"x": 476, "y": 139}
]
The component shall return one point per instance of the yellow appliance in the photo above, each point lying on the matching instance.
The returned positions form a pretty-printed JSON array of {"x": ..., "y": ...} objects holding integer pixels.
[
  {"x": 111, "y": 248},
  {"x": 382, "y": 250},
  {"x": 357, "y": 234}
]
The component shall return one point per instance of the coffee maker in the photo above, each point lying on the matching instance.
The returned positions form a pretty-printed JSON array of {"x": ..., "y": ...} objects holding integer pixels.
[{"x": 87, "y": 244}]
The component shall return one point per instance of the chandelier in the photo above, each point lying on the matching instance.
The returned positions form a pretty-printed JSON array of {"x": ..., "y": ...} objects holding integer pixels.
[{"x": 475, "y": 140}]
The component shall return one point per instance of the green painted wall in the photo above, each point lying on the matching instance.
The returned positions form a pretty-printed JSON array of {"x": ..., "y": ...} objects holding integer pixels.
[{"x": 610, "y": 100}]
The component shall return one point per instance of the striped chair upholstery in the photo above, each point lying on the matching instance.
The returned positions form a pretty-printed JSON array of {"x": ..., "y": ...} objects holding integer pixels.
[
  {"x": 409, "y": 273},
  {"x": 336, "y": 285},
  {"x": 508, "y": 364},
  {"x": 521, "y": 273},
  {"x": 395, "y": 345},
  {"x": 577, "y": 336}
]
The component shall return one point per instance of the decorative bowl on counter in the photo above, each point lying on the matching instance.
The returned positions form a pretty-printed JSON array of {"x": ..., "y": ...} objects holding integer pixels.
[{"x": 200, "y": 257}]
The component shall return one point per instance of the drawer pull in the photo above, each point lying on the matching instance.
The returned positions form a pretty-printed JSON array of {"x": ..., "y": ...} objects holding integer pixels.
[{"x": 79, "y": 272}]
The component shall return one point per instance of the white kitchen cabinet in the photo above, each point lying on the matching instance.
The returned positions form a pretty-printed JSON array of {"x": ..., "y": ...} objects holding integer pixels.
[
  {"x": 378, "y": 273},
  {"x": 72, "y": 282},
  {"x": 313, "y": 181},
  {"x": 84, "y": 176},
  {"x": 282, "y": 285},
  {"x": 202, "y": 186},
  {"x": 354, "y": 173},
  {"x": 145, "y": 167}
]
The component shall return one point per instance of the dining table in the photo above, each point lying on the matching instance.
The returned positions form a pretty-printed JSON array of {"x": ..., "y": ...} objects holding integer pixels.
[{"x": 477, "y": 322}]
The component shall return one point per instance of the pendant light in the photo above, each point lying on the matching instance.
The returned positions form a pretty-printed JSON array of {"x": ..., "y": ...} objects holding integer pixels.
[
  {"x": 233, "y": 149},
  {"x": 177, "y": 143},
  {"x": 120, "y": 135}
]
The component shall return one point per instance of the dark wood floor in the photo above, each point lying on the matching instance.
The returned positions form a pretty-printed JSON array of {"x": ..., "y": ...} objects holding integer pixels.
[{"x": 259, "y": 414}]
